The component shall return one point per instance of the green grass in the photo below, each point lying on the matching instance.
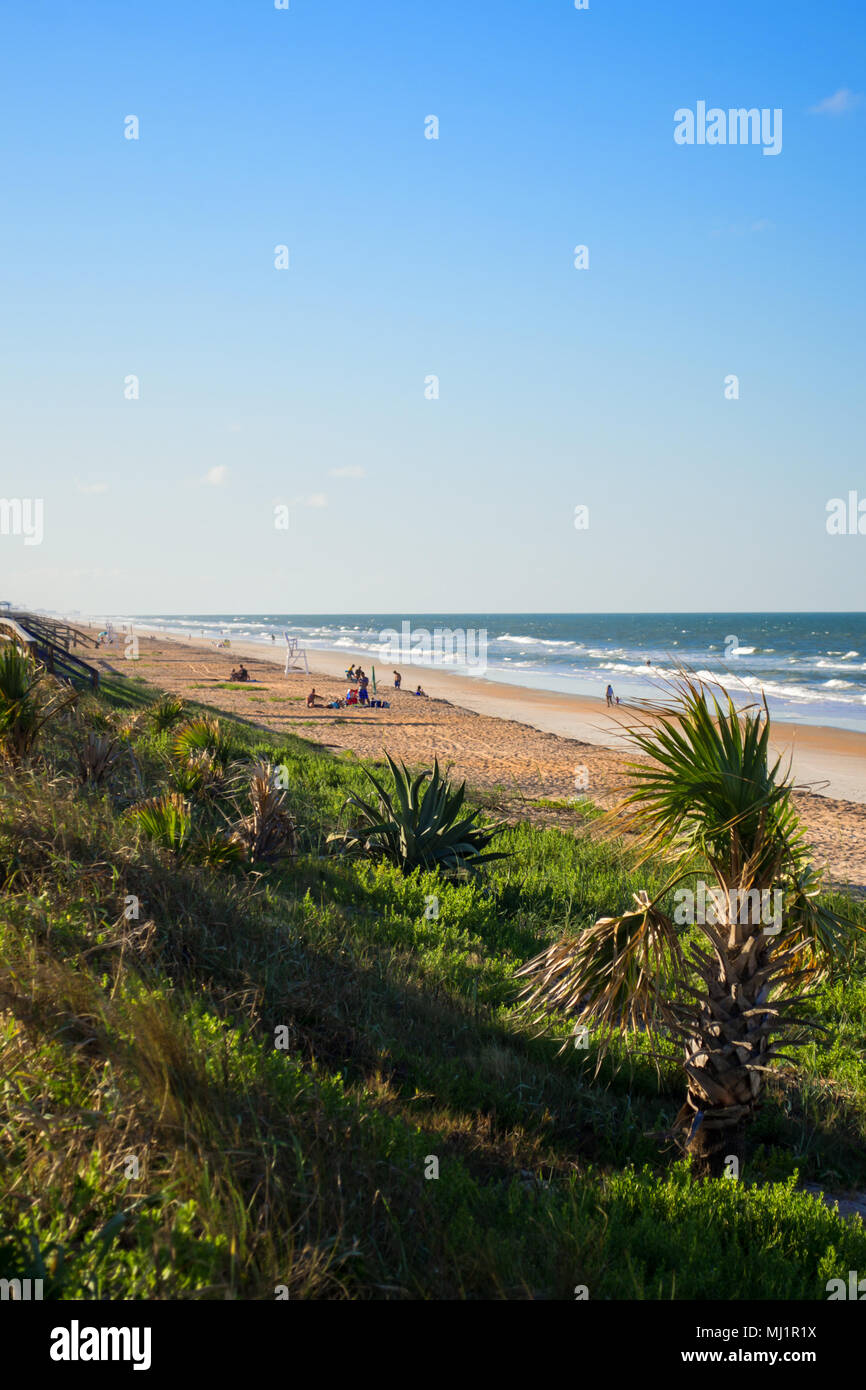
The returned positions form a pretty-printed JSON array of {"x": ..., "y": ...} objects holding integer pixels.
[{"x": 282, "y": 1054}]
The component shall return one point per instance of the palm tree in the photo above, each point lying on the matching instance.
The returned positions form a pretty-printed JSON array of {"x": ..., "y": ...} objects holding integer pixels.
[{"x": 725, "y": 983}]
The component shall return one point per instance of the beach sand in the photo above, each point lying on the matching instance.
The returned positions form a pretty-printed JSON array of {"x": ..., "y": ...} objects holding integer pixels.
[{"x": 520, "y": 745}]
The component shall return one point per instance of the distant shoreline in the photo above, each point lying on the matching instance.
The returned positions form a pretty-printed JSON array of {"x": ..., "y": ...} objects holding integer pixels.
[
  {"x": 826, "y": 760},
  {"x": 810, "y": 668}
]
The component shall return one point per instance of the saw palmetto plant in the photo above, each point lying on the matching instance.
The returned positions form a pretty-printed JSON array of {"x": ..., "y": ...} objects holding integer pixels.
[
  {"x": 29, "y": 698},
  {"x": 168, "y": 821},
  {"x": 167, "y": 711},
  {"x": 202, "y": 735},
  {"x": 419, "y": 823},
  {"x": 726, "y": 983}
]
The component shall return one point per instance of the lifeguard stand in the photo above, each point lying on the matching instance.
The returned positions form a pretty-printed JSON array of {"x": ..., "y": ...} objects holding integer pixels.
[{"x": 294, "y": 655}]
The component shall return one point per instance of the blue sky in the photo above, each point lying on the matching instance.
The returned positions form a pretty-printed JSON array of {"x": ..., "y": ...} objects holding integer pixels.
[{"x": 411, "y": 257}]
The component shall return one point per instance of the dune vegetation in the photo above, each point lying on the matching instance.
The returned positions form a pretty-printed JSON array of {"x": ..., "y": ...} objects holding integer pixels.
[{"x": 252, "y": 1050}]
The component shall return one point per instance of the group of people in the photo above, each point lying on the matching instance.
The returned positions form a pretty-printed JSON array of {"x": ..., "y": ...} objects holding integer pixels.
[
  {"x": 610, "y": 697},
  {"x": 363, "y": 683},
  {"x": 241, "y": 674}
]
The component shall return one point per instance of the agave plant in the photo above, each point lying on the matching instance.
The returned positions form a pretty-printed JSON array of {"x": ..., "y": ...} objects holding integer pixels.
[
  {"x": 268, "y": 831},
  {"x": 96, "y": 757},
  {"x": 415, "y": 828},
  {"x": 25, "y": 708},
  {"x": 167, "y": 711},
  {"x": 168, "y": 821},
  {"x": 725, "y": 983}
]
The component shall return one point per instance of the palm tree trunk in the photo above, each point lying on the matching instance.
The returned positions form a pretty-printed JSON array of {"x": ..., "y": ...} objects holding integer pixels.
[{"x": 711, "y": 1150}]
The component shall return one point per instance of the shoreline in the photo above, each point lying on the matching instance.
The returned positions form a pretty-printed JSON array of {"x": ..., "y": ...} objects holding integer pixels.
[
  {"x": 636, "y": 684},
  {"x": 826, "y": 761},
  {"x": 533, "y": 754}
]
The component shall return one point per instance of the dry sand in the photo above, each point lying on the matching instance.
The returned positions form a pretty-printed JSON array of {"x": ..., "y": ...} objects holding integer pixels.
[{"x": 523, "y": 745}]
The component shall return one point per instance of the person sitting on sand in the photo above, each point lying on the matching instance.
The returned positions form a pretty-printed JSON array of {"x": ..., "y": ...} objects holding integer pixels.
[
  {"x": 243, "y": 673},
  {"x": 350, "y": 674},
  {"x": 312, "y": 698},
  {"x": 419, "y": 691},
  {"x": 397, "y": 680}
]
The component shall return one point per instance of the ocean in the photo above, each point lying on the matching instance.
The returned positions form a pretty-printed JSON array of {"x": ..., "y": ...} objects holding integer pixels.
[{"x": 810, "y": 666}]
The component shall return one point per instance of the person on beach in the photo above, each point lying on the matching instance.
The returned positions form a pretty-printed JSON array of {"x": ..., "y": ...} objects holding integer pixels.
[
  {"x": 350, "y": 674},
  {"x": 313, "y": 697},
  {"x": 398, "y": 680},
  {"x": 363, "y": 694},
  {"x": 608, "y": 695},
  {"x": 419, "y": 691}
]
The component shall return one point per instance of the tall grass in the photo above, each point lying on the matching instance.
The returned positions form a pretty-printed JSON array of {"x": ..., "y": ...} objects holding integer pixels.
[{"x": 225, "y": 1081}]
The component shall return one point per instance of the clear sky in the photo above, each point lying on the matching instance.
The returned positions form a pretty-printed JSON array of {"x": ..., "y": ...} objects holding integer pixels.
[{"x": 411, "y": 257}]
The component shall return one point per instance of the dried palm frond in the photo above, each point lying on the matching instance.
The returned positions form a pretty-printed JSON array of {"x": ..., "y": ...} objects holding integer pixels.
[{"x": 268, "y": 831}]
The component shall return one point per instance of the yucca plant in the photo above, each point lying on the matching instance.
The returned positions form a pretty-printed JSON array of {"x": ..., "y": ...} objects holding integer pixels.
[
  {"x": 414, "y": 826},
  {"x": 25, "y": 704},
  {"x": 725, "y": 983},
  {"x": 96, "y": 757},
  {"x": 167, "y": 711},
  {"x": 268, "y": 831}
]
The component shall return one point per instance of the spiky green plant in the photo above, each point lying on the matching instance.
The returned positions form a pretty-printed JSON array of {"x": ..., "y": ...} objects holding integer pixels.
[
  {"x": 708, "y": 800},
  {"x": 416, "y": 827},
  {"x": 167, "y": 711},
  {"x": 202, "y": 735},
  {"x": 96, "y": 756},
  {"x": 268, "y": 831},
  {"x": 26, "y": 705},
  {"x": 168, "y": 821},
  {"x": 198, "y": 775}
]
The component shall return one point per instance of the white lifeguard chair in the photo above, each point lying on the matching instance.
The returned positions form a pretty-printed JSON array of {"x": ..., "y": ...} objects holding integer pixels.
[{"x": 294, "y": 655}]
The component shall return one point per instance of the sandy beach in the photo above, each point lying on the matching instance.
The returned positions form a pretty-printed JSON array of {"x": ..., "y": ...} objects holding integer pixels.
[{"x": 526, "y": 745}]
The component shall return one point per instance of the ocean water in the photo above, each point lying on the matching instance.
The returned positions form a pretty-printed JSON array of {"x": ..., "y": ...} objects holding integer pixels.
[{"x": 810, "y": 666}]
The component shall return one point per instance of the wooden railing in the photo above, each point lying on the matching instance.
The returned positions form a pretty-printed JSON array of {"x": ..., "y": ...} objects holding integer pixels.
[
  {"x": 54, "y": 630},
  {"x": 32, "y": 635}
]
